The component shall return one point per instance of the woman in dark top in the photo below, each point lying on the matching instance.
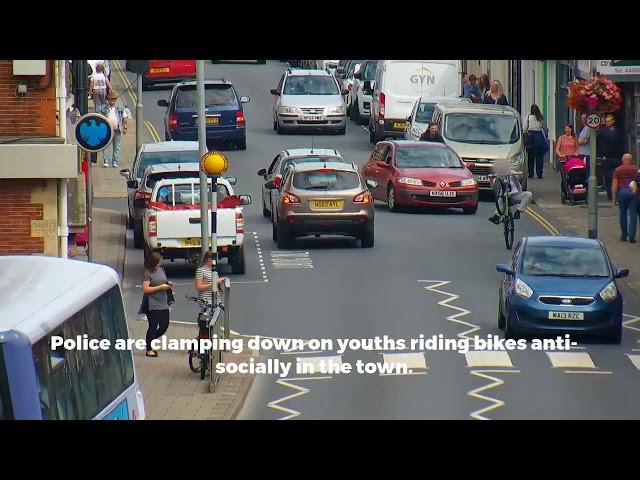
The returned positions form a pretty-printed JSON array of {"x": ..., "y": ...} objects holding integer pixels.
[
  {"x": 495, "y": 96},
  {"x": 483, "y": 85},
  {"x": 155, "y": 286}
]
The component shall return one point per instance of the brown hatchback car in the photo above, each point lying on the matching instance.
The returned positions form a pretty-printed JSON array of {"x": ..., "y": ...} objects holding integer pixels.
[{"x": 322, "y": 199}]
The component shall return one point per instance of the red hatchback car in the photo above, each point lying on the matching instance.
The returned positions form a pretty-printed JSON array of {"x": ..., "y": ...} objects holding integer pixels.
[
  {"x": 424, "y": 174},
  {"x": 168, "y": 71}
]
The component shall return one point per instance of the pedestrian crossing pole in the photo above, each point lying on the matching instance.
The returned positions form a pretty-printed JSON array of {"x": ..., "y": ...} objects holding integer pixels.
[
  {"x": 202, "y": 139},
  {"x": 593, "y": 185}
]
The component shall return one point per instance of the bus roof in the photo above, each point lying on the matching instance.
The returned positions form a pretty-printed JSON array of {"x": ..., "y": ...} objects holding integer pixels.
[{"x": 39, "y": 293}]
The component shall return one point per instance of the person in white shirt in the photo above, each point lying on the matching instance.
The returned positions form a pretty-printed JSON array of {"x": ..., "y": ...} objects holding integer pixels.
[
  {"x": 117, "y": 116},
  {"x": 584, "y": 139},
  {"x": 535, "y": 130},
  {"x": 99, "y": 87}
]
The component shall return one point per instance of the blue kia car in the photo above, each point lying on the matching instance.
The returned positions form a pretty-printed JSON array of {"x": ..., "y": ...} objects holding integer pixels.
[
  {"x": 558, "y": 285},
  {"x": 223, "y": 109}
]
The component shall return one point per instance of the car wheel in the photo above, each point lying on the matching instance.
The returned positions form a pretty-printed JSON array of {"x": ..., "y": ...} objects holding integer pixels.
[
  {"x": 284, "y": 236},
  {"x": 367, "y": 239},
  {"x": 342, "y": 130},
  {"x": 280, "y": 130},
  {"x": 237, "y": 261},
  {"x": 470, "y": 210},
  {"x": 615, "y": 336},
  {"x": 166, "y": 136},
  {"x": 130, "y": 222},
  {"x": 501, "y": 317},
  {"x": 138, "y": 237},
  {"x": 509, "y": 331},
  {"x": 275, "y": 125},
  {"x": 265, "y": 213},
  {"x": 391, "y": 199},
  {"x": 274, "y": 231},
  {"x": 242, "y": 144}
]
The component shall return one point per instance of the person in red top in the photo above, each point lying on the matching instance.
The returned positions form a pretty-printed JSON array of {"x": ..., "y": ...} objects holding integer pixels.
[
  {"x": 626, "y": 200},
  {"x": 567, "y": 144}
]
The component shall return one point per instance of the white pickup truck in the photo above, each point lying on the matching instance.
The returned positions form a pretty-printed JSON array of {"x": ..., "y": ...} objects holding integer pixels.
[{"x": 171, "y": 222}]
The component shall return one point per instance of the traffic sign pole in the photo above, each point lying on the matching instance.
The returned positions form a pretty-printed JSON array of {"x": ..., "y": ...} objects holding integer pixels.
[
  {"x": 202, "y": 139},
  {"x": 593, "y": 122},
  {"x": 93, "y": 157}
]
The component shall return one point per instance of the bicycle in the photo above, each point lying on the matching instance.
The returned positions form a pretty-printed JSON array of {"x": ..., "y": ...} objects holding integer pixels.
[
  {"x": 503, "y": 206},
  {"x": 200, "y": 362}
]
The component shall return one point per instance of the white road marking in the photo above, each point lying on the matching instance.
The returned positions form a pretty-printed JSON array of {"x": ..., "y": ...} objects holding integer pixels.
[
  {"x": 265, "y": 278},
  {"x": 291, "y": 260},
  {"x": 485, "y": 359},
  {"x": 635, "y": 359},
  {"x": 413, "y": 360},
  {"x": 570, "y": 360},
  {"x": 588, "y": 372},
  {"x": 495, "y": 382},
  {"x": 300, "y": 391}
]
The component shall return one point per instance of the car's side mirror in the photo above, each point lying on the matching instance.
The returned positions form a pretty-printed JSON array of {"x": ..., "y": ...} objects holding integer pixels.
[
  {"x": 163, "y": 103},
  {"x": 262, "y": 172},
  {"x": 231, "y": 180},
  {"x": 274, "y": 92},
  {"x": 125, "y": 172},
  {"x": 504, "y": 268},
  {"x": 132, "y": 184},
  {"x": 246, "y": 199},
  {"x": 345, "y": 92},
  {"x": 270, "y": 185},
  {"x": 371, "y": 184},
  {"x": 622, "y": 273},
  {"x": 409, "y": 118},
  {"x": 245, "y": 99}
]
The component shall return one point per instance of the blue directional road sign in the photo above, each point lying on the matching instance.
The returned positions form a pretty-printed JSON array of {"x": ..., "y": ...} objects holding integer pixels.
[{"x": 93, "y": 132}]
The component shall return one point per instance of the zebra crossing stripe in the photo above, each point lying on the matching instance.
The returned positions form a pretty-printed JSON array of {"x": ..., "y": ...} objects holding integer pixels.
[{"x": 291, "y": 260}]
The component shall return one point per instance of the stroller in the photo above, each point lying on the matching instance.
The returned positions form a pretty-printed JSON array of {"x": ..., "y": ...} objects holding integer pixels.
[{"x": 574, "y": 181}]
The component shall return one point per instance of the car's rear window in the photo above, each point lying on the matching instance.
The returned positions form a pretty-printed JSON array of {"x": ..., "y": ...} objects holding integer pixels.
[
  {"x": 420, "y": 157},
  {"x": 215, "y": 95},
  {"x": 158, "y": 158},
  {"x": 185, "y": 194},
  {"x": 425, "y": 112},
  {"x": 299, "y": 160},
  {"x": 564, "y": 261},
  {"x": 153, "y": 179},
  {"x": 326, "y": 180}
]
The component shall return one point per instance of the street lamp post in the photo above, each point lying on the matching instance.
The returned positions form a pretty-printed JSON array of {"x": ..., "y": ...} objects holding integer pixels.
[{"x": 202, "y": 139}]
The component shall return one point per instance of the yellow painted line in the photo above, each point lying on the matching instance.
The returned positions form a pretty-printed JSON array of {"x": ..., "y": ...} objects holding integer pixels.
[
  {"x": 120, "y": 70},
  {"x": 628, "y": 323},
  {"x": 299, "y": 392},
  {"x": 587, "y": 372},
  {"x": 445, "y": 303},
  {"x": 154, "y": 134},
  {"x": 570, "y": 360},
  {"x": 496, "y": 382},
  {"x": 412, "y": 360},
  {"x": 483, "y": 359},
  {"x": 544, "y": 222}
]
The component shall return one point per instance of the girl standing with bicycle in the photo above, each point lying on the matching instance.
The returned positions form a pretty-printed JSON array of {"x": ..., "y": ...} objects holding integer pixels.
[{"x": 204, "y": 279}]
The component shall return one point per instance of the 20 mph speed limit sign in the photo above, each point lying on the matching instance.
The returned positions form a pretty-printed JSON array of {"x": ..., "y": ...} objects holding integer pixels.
[{"x": 594, "y": 120}]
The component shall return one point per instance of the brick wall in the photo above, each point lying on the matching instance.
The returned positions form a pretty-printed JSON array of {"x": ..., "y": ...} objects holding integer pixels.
[
  {"x": 30, "y": 115},
  {"x": 15, "y": 220}
]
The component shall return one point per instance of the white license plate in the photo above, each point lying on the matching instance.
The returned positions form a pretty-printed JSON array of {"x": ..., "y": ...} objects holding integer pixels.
[
  {"x": 312, "y": 117},
  {"x": 566, "y": 316},
  {"x": 442, "y": 193},
  {"x": 482, "y": 178}
]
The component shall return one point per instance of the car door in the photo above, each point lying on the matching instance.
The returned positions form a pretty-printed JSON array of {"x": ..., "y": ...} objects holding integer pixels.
[
  {"x": 273, "y": 170},
  {"x": 508, "y": 280},
  {"x": 277, "y": 98},
  {"x": 372, "y": 170},
  {"x": 409, "y": 124},
  {"x": 130, "y": 190},
  {"x": 386, "y": 168}
]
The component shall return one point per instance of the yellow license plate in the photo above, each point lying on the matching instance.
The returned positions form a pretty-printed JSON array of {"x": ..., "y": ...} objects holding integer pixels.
[
  {"x": 327, "y": 204},
  {"x": 213, "y": 120},
  {"x": 399, "y": 125},
  {"x": 191, "y": 242},
  {"x": 160, "y": 70}
]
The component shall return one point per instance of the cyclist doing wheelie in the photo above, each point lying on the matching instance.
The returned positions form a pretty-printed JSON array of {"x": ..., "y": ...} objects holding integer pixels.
[{"x": 517, "y": 195}]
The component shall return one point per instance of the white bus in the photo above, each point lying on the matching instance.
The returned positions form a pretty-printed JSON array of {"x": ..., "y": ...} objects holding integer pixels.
[{"x": 41, "y": 297}]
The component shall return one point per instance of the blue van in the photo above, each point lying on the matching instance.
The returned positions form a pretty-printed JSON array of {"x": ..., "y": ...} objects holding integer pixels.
[{"x": 225, "y": 116}]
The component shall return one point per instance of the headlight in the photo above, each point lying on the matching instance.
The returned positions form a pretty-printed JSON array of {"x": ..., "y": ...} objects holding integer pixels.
[
  {"x": 609, "y": 293},
  {"x": 518, "y": 159},
  {"x": 410, "y": 181},
  {"x": 289, "y": 110},
  {"x": 468, "y": 182},
  {"x": 330, "y": 110},
  {"x": 523, "y": 289}
]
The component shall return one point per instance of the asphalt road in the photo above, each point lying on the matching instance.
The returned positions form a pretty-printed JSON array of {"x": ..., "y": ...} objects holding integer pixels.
[{"x": 339, "y": 290}]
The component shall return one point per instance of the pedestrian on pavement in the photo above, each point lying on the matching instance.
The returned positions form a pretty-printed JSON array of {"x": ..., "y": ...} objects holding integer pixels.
[
  {"x": 624, "y": 197},
  {"x": 471, "y": 90},
  {"x": 483, "y": 85},
  {"x": 99, "y": 86},
  {"x": 535, "y": 129},
  {"x": 432, "y": 134},
  {"x": 117, "y": 115},
  {"x": 156, "y": 288},
  {"x": 609, "y": 149},
  {"x": 584, "y": 139},
  {"x": 566, "y": 145},
  {"x": 495, "y": 95},
  {"x": 204, "y": 279}
]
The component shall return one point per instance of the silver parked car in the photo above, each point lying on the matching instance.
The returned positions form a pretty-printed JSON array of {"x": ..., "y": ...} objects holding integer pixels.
[
  {"x": 422, "y": 114},
  {"x": 308, "y": 99}
]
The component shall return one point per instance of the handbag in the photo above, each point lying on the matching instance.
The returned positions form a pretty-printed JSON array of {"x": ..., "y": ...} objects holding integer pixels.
[{"x": 144, "y": 305}]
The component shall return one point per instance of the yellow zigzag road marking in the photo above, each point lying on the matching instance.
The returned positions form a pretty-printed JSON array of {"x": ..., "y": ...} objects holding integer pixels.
[
  {"x": 633, "y": 320},
  {"x": 445, "y": 303},
  {"x": 496, "y": 383},
  {"x": 300, "y": 391}
]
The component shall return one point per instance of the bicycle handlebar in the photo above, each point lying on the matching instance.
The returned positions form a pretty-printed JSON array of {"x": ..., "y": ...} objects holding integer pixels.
[{"x": 204, "y": 304}]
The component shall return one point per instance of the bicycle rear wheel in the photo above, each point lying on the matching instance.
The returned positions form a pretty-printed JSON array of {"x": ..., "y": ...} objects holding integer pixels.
[
  {"x": 509, "y": 230},
  {"x": 501, "y": 188},
  {"x": 194, "y": 361}
]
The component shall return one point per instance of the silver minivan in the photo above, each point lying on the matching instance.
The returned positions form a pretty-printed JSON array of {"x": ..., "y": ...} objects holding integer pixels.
[{"x": 482, "y": 135}]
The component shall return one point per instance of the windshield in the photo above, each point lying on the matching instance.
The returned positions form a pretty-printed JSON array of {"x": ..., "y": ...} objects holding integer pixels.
[
  {"x": 215, "y": 95},
  {"x": 565, "y": 261},
  {"x": 158, "y": 158},
  {"x": 482, "y": 128},
  {"x": 425, "y": 112},
  {"x": 369, "y": 71},
  {"x": 318, "y": 159},
  {"x": 427, "y": 158},
  {"x": 310, "y": 85},
  {"x": 326, "y": 180}
]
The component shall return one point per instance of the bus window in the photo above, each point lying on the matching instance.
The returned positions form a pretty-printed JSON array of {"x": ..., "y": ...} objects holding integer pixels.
[{"x": 6, "y": 410}]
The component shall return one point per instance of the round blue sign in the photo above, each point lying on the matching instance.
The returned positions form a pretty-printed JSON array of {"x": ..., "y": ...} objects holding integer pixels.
[{"x": 93, "y": 132}]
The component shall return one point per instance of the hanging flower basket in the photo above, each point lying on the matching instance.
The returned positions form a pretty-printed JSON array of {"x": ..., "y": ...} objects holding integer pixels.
[{"x": 596, "y": 95}]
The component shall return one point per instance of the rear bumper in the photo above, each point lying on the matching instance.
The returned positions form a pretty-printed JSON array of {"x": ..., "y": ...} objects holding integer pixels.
[
  {"x": 421, "y": 196},
  {"x": 387, "y": 128},
  {"x": 351, "y": 224},
  {"x": 291, "y": 121},
  {"x": 157, "y": 79},
  {"x": 232, "y": 134}
]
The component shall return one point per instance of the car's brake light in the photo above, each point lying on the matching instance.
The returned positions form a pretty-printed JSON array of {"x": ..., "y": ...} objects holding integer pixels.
[
  {"x": 239, "y": 222},
  {"x": 289, "y": 198},
  {"x": 173, "y": 121},
  {"x": 240, "y": 120},
  {"x": 153, "y": 226},
  {"x": 382, "y": 102},
  {"x": 326, "y": 170},
  {"x": 277, "y": 181},
  {"x": 364, "y": 197}
]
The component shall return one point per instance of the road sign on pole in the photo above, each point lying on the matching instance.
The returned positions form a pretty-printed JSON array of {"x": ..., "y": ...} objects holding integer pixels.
[{"x": 594, "y": 120}]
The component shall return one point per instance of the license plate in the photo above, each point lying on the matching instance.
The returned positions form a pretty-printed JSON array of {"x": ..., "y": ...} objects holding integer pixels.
[
  {"x": 566, "y": 316},
  {"x": 442, "y": 193},
  {"x": 213, "y": 120},
  {"x": 399, "y": 125},
  {"x": 191, "y": 242},
  {"x": 327, "y": 204},
  {"x": 160, "y": 70},
  {"x": 482, "y": 178},
  {"x": 312, "y": 117}
]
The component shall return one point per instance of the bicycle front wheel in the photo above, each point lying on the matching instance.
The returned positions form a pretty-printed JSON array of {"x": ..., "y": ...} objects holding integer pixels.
[
  {"x": 204, "y": 363},
  {"x": 500, "y": 195},
  {"x": 509, "y": 231}
]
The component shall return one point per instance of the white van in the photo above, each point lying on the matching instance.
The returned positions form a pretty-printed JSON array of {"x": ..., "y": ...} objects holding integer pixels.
[{"x": 397, "y": 86}]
